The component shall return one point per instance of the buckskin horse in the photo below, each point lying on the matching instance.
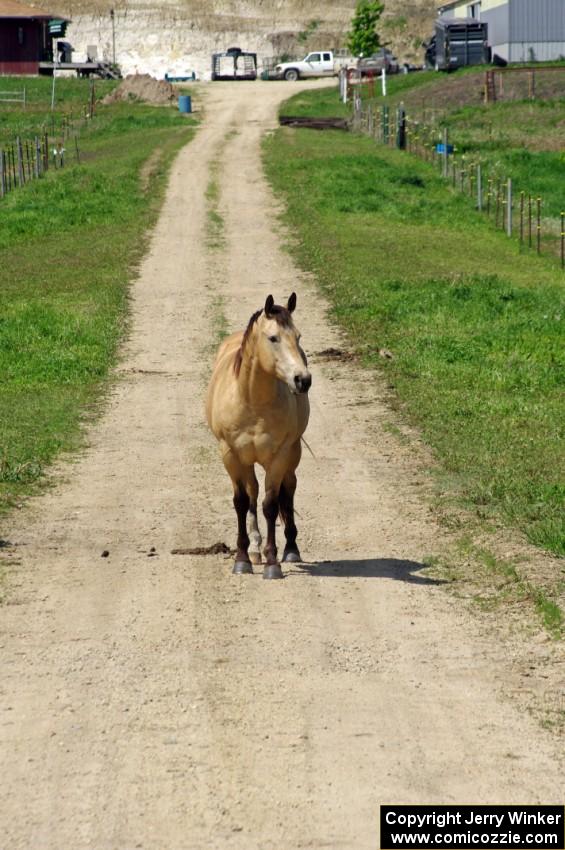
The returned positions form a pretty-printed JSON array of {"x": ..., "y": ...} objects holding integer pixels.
[{"x": 257, "y": 408}]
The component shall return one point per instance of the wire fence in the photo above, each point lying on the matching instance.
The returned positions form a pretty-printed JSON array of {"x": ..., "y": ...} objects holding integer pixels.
[
  {"x": 23, "y": 160},
  {"x": 519, "y": 214},
  {"x": 14, "y": 96}
]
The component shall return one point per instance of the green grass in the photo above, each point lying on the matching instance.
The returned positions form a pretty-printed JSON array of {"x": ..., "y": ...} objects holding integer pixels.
[
  {"x": 521, "y": 140},
  {"x": 69, "y": 245},
  {"x": 71, "y": 97},
  {"x": 525, "y": 125},
  {"x": 321, "y": 103},
  {"x": 324, "y": 103},
  {"x": 214, "y": 219},
  {"x": 493, "y": 583},
  {"x": 475, "y": 328}
]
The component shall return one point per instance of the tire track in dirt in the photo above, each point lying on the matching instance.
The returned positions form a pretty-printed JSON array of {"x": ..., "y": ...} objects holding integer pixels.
[{"x": 157, "y": 701}]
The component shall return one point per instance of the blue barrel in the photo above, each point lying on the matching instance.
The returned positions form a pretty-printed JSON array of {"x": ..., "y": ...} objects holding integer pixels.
[{"x": 185, "y": 103}]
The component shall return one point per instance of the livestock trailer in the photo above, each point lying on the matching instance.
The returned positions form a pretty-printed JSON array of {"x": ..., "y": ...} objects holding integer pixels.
[
  {"x": 518, "y": 30},
  {"x": 458, "y": 42},
  {"x": 234, "y": 64}
]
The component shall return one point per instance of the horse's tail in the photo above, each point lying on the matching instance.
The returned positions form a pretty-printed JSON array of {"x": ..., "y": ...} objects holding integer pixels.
[
  {"x": 285, "y": 505},
  {"x": 308, "y": 447}
]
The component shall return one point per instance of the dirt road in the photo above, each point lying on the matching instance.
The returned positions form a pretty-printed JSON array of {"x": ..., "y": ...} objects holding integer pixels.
[{"x": 155, "y": 701}]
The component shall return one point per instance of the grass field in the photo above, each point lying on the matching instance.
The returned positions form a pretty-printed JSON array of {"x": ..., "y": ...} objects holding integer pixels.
[
  {"x": 71, "y": 96},
  {"x": 522, "y": 140},
  {"x": 69, "y": 244},
  {"x": 475, "y": 328}
]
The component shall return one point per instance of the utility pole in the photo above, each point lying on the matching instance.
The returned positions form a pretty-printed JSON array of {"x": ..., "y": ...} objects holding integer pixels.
[
  {"x": 113, "y": 37},
  {"x": 53, "y": 84}
]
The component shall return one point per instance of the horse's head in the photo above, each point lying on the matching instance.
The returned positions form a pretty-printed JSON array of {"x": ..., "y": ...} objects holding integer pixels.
[{"x": 278, "y": 345}]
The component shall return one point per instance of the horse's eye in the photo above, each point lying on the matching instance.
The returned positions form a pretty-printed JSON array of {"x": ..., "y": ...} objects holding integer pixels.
[{"x": 273, "y": 339}]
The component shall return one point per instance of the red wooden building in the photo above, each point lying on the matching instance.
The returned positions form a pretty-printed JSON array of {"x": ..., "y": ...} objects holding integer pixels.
[{"x": 25, "y": 37}]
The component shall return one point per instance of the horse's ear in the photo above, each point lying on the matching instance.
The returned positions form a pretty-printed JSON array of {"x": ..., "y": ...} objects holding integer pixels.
[
  {"x": 269, "y": 304},
  {"x": 291, "y": 303}
]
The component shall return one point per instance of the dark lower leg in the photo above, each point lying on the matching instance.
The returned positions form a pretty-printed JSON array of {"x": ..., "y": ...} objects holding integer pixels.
[
  {"x": 241, "y": 505},
  {"x": 286, "y": 507},
  {"x": 271, "y": 511}
]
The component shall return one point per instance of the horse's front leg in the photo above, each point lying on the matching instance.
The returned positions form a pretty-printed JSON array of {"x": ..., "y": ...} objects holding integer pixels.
[
  {"x": 272, "y": 567},
  {"x": 252, "y": 524},
  {"x": 274, "y": 477},
  {"x": 242, "y": 562},
  {"x": 240, "y": 477}
]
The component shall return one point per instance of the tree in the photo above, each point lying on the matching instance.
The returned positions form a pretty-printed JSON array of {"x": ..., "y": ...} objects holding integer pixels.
[{"x": 363, "y": 37}]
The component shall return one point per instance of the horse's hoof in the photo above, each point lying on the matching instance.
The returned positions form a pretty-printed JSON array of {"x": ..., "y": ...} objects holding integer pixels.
[
  {"x": 241, "y": 568},
  {"x": 272, "y": 571},
  {"x": 255, "y": 558},
  {"x": 292, "y": 556}
]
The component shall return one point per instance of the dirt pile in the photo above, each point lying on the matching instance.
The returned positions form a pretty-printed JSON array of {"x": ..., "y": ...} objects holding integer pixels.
[{"x": 143, "y": 87}]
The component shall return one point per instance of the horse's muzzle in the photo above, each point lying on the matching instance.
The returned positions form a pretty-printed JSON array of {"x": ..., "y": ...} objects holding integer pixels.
[{"x": 302, "y": 383}]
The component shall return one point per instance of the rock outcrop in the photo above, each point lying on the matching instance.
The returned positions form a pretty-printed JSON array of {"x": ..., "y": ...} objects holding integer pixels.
[{"x": 179, "y": 36}]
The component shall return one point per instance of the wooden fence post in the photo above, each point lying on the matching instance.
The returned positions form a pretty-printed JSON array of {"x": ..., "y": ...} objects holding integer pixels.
[
  {"x": 532, "y": 84},
  {"x": 445, "y": 154},
  {"x": 2, "y": 175},
  {"x": 384, "y": 124},
  {"x": 37, "y": 156},
  {"x": 12, "y": 164},
  {"x": 28, "y": 161},
  {"x": 401, "y": 127},
  {"x": 509, "y": 207},
  {"x": 20, "y": 155}
]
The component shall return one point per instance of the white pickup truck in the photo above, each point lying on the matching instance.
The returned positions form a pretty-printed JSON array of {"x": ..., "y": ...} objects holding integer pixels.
[{"x": 320, "y": 63}]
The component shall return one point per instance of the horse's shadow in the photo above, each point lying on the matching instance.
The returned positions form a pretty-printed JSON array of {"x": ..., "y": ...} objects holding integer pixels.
[{"x": 392, "y": 568}]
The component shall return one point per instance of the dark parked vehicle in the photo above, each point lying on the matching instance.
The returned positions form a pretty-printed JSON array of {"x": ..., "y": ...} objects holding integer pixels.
[
  {"x": 374, "y": 64},
  {"x": 234, "y": 64},
  {"x": 458, "y": 42}
]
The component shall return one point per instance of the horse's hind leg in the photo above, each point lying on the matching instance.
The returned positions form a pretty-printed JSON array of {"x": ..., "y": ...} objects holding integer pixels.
[
  {"x": 252, "y": 524},
  {"x": 286, "y": 507}
]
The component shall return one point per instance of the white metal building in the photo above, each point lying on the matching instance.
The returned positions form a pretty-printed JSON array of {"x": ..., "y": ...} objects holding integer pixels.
[{"x": 518, "y": 30}]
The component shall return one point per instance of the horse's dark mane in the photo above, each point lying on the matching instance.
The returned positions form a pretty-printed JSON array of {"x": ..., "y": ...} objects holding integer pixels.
[
  {"x": 239, "y": 353},
  {"x": 281, "y": 316}
]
